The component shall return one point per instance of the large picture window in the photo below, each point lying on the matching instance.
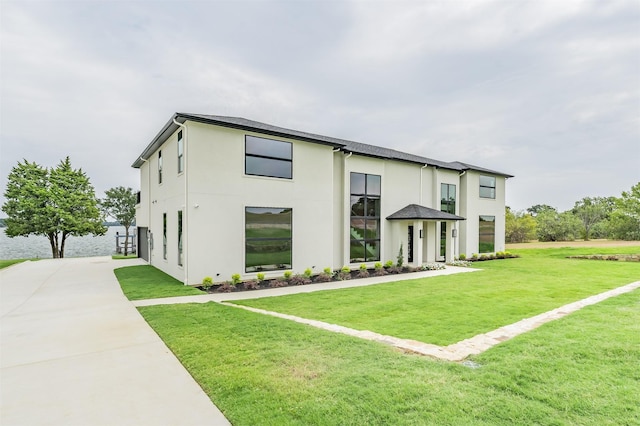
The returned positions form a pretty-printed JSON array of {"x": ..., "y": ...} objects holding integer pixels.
[
  {"x": 267, "y": 157},
  {"x": 447, "y": 204},
  {"x": 487, "y": 234},
  {"x": 268, "y": 233},
  {"x": 487, "y": 187},
  {"x": 365, "y": 218}
]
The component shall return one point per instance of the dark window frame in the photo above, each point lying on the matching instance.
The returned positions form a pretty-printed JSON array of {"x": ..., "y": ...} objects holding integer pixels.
[
  {"x": 366, "y": 197},
  {"x": 159, "y": 167},
  {"x": 289, "y": 239},
  {"x": 164, "y": 236},
  {"x": 180, "y": 237},
  {"x": 485, "y": 218},
  {"x": 491, "y": 189},
  {"x": 180, "y": 153},
  {"x": 248, "y": 155}
]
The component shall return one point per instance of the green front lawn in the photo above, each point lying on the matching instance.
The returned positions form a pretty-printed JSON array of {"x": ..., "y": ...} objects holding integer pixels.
[
  {"x": 444, "y": 310},
  {"x": 147, "y": 282},
  {"x": 4, "y": 262},
  {"x": 260, "y": 370}
]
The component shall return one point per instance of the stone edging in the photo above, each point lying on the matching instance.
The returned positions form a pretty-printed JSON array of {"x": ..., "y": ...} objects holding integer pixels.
[{"x": 461, "y": 350}]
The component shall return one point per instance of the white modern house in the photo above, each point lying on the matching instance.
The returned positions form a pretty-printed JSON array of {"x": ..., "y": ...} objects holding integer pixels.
[{"x": 225, "y": 195}]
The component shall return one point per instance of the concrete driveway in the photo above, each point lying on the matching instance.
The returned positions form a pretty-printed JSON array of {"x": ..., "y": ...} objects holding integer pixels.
[{"x": 74, "y": 351}]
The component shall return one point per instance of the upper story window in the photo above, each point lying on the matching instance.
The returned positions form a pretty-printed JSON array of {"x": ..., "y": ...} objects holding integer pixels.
[
  {"x": 268, "y": 157},
  {"x": 487, "y": 187},
  {"x": 448, "y": 198},
  {"x": 159, "y": 167},
  {"x": 180, "y": 153},
  {"x": 365, "y": 218}
]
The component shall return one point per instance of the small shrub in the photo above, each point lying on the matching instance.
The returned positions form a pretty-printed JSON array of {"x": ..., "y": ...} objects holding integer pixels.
[
  {"x": 474, "y": 256},
  {"x": 379, "y": 270},
  {"x": 287, "y": 275},
  {"x": 400, "y": 259},
  {"x": 500, "y": 255},
  {"x": 252, "y": 285},
  {"x": 207, "y": 283},
  {"x": 463, "y": 263},
  {"x": 308, "y": 273},
  {"x": 344, "y": 274},
  {"x": 433, "y": 266},
  {"x": 226, "y": 287},
  {"x": 235, "y": 279},
  {"x": 388, "y": 264},
  {"x": 483, "y": 257},
  {"x": 328, "y": 271},
  {"x": 362, "y": 271},
  {"x": 260, "y": 276},
  {"x": 463, "y": 257}
]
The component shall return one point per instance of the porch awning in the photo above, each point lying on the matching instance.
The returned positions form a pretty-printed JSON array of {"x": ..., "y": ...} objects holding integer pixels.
[{"x": 416, "y": 212}]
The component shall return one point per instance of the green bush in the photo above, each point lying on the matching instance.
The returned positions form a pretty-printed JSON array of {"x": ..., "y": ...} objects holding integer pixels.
[
  {"x": 378, "y": 266},
  {"x": 260, "y": 276},
  {"x": 207, "y": 283},
  {"x": 388, "y": 264},
  {"x": 328, "y": 271},
  {"x": 308, "y": 272},
  {"x": 287, "y": 275},
  {"x": 463, "y": 256},
  {"x": 235, "y": 279}
]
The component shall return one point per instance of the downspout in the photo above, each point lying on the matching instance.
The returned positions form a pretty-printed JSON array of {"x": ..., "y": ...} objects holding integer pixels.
[
  {"x": 145, "y": 160},
  {"x": 185, "y": 213},
  {"x": 345, "y": 221},
  {"x": 421, "y": 168}
]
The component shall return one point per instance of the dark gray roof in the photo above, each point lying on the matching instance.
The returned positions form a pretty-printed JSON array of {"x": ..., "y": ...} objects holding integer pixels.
[
  {"x": 467, "y": 166},
  {"x": 348, "y": 146},
  {"x": 416, "y": 212}
]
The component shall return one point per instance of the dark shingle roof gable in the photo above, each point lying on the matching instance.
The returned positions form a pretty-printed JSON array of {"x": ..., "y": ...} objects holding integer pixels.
[{"x": 349, "y": 146}]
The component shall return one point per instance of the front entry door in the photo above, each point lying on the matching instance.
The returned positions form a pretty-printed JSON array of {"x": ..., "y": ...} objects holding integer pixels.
[{"x": 410, "y": 245}]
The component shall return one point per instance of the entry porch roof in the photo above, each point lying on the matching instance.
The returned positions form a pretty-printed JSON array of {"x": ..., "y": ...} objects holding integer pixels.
[{"x": 417, "y": 212}]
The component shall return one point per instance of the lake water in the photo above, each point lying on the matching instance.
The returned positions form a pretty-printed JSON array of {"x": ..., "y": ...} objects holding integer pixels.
[{"x": 36, "y": 246}]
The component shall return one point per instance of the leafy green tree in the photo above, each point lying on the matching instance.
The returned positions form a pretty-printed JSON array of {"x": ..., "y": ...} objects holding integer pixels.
[
  {"x": 120, "y": 203},
  {"x": 520, "y": 227},
  {"x": 539, "y": 208},
  {"x": 590, "y": 211},
  {"x": 56, "y": 203},
  {"x": 625, "y": 220},
  {"x": 554, "y": 226}
]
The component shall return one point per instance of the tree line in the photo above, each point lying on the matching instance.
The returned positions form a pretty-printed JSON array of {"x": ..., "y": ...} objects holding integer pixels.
[
  {"x": 59, "y": 202},
  {"x": 616, "y": 218}
]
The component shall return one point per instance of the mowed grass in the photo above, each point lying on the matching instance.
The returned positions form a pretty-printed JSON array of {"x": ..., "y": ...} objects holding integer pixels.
[
  {"x": 146, "y": 282},
  {"x": 446, "y": 309},
  {"x": 260, "y": 370},
  {"x": 8, "y": 262}
]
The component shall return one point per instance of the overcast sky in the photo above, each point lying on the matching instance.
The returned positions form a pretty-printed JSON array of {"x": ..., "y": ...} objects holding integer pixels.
[{"x": 546, "y": 91}]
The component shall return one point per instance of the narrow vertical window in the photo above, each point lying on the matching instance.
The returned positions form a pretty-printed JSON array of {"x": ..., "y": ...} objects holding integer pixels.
[
  {"x": 180, "y": 237},
  {"x": 180, "y": 153},
  {"x": 268, "y": 233},
  {"x": 487, "y": 234},
  {"x": 164, "y": 236},
  {"x": 487, "y": 187},
  {"x": 447, "y": 204},
  {"x": 365, "y": 218},
  {"x": 159, "y": 167}
]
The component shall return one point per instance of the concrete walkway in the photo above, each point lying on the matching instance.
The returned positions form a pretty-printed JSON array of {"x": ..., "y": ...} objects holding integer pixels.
[
  {"x": 74, "y": 351},
  {"x": 283, "y": 291}
]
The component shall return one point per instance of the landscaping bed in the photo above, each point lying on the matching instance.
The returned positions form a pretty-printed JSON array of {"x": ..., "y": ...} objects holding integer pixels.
[{"x": 288, "y": 279}]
